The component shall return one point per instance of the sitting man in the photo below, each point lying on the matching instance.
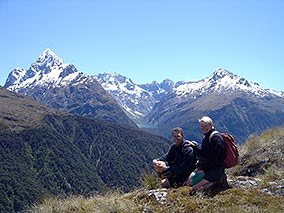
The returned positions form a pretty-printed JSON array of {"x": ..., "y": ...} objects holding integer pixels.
[
  {"x": 210, "y": 155},
  {"x": 176, "y": 165}
]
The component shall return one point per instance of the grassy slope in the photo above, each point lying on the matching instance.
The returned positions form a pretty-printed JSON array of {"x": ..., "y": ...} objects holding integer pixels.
[{"x": 178, "y": 200}]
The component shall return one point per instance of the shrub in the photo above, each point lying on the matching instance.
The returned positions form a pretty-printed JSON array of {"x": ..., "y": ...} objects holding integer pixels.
[{"x": 150, "y": 180}]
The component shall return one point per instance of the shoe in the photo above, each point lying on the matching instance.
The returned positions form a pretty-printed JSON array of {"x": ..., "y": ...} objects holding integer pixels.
[{"x": 223, "y": 181}]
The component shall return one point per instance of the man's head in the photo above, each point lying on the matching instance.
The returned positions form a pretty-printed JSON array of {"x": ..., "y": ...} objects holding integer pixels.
[
  {"x": 206, "y": 124},
  {"x": 177, "y": 134}
]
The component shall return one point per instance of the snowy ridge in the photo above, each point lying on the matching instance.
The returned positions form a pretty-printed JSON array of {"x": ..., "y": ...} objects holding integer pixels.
[
  {"x": 223, "y": 81},
  {"x": 115, "y": 82},
  {"x": 135, "y": 100},
  {"x": 15, "y": 78},
  {"x": 159, "y": 90}
]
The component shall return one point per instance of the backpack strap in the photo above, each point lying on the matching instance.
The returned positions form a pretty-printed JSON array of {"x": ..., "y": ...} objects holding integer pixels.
[
  {"x": 186, "y": 145},
  {"x": 212, "y": 134}
]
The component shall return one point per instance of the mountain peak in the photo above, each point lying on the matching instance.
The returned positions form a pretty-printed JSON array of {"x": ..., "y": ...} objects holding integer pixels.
[
  {"x": 48, "y": 51},
  {"x": 111, "y": 77},
  {"x": 48, "y": 69},
  {"x": 221, "y": 73},
  {"x": 48, "y": 59}
]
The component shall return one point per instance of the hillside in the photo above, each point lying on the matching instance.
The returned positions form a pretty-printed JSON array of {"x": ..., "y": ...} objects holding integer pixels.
[
  {"x": 260, "y": 191},
  {"x": 18, "y": 112},
  {"x": 45, "y": 152}
]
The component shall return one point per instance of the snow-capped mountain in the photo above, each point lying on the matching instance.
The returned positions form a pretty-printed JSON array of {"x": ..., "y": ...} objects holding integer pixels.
[
  {"x": 159, "y": 90},
  {"x": 223, "y": 81},
  {"x": 62, "y": 86},
  {"x": 47, "y": 70},
  {"x": 136, "y": 101}
]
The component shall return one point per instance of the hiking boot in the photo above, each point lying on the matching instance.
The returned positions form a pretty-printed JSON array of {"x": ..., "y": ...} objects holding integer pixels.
[{"x": 222, "y": 182}]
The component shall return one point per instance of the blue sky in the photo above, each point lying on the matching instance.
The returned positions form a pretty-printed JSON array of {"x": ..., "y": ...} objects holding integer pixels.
[{"x": 148, "y": 40}]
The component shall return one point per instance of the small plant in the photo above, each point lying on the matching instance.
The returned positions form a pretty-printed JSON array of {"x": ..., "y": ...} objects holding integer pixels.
[{"x": 150, "y": 180}]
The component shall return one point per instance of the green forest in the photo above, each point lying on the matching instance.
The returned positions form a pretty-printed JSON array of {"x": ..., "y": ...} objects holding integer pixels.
[{"x": 71, "y": 155}]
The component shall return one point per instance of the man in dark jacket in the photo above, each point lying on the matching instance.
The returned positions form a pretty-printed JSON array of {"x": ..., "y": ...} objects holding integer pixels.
[
  {"x": 210, "y": 157},
  {"x": 175, "y": 166}
]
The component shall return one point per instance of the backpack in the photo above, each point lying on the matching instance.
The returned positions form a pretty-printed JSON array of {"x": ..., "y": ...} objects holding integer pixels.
[{"x": 231, "y": 155}]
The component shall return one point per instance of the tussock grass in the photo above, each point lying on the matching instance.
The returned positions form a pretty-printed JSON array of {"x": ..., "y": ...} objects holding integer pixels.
[
  {"x": 110, "y": 202},
  {"x": 150, "y": 180},
  {"x": 266, "y": 148},
  {"x": 178, "y": 200},
  {"x": 268, "y": 137},
  {"x": 231, "y": 200},
  {"x": 272, "y": 174}
]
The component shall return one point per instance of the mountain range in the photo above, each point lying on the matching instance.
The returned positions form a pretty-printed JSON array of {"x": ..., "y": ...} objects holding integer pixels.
[{"x": 235, "y": 104}]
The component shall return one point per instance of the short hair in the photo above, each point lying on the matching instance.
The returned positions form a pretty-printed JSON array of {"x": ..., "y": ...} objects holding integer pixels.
[
  {"x": 178, "y": 130},
  {"x": 206, "y": 119}
]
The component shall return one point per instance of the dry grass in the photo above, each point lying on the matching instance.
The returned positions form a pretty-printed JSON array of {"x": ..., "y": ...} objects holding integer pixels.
[
  {"x": 110, "y": 202},
  {"x": 231, "y": 200},
  {"x": 150, "y": 180},
  {"x": 267, "y": 147},
  {"x": 268, "y": 137},
  {"x": 178, "y": 200}
]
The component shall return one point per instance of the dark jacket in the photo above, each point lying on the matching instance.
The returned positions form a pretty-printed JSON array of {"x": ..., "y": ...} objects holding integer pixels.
[
  {"x": 180, "y": 160},
  {"x": 211, "y": 153}
]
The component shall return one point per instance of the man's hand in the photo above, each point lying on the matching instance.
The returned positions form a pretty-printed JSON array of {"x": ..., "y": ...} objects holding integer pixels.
[{"x": 159, "y": 166}]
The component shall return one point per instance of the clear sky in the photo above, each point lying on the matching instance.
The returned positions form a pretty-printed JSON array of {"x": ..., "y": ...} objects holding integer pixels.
[{"x": 148, "y": 40}]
